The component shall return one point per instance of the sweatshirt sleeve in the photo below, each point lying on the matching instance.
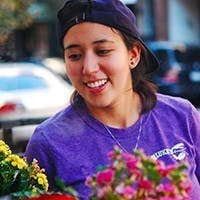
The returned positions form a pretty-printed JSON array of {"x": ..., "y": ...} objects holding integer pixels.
[
  {"x": 39, "y": 149},
  {"x": 195, "y": 131}
]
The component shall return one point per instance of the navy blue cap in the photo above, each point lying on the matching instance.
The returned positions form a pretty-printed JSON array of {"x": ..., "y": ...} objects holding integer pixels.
[{"x": 112, "y": 13}]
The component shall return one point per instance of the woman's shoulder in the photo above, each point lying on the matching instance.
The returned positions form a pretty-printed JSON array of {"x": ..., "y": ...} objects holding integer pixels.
[
  {"x": 63, "y": 115},
  {"x": 66, "y": 119},
  {"x": 175, "y": 107},
  {"x": 53, "y": 133},
  {"x": 175, "y": 114},
  {"x": 176, "y": 104}
]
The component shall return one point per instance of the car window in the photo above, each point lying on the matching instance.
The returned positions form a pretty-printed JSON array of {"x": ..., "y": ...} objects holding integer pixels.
[
  {"x": 188, "y": 56},
  {"x": 161, "y": 54},
  {"x": 163, "y": 57},
  {"x": 21, "y": 82}
]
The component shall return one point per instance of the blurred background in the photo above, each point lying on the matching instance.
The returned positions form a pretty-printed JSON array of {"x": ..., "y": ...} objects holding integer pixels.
[{"x": 33, "y": 82}]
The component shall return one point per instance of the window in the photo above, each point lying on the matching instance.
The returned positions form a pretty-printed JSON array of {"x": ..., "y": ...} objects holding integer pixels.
[{"x": 21, "y": 82}]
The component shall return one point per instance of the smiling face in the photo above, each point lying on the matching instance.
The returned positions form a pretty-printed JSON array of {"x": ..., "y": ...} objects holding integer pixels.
[{"x": 98, "y": 64}]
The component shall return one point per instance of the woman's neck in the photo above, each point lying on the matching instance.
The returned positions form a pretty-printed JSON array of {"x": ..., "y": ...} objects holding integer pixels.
[{"x": 121, "y": 114}]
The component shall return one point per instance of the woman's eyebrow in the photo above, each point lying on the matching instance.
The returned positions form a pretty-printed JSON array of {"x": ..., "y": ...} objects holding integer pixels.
[
  {"x": 102, "y": 41},
  {"x": 95, "y": 42},
  {"x": 71, "y": 46}
]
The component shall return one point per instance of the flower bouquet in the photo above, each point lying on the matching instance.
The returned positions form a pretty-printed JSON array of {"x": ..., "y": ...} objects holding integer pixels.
[
  {"x": 17, "y": 177},
  {"x": 138, "y": 177},
  {"x": 20, "y": 180}
]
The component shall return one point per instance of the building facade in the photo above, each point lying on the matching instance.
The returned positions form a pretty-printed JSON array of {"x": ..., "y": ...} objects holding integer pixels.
[{"x": 174, "y": 20}]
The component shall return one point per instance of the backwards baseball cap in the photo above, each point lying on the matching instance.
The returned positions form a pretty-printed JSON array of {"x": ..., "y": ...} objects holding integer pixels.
[{"x": 112, "y": 13}]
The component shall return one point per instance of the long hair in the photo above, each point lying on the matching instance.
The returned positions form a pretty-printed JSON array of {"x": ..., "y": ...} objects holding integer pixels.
[{"x": 140, "y": 79}]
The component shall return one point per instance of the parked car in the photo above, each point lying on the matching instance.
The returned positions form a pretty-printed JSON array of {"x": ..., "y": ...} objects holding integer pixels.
[
  {"x": 179, "y": 72},
  {"x": 55, "y": 64},
  {"x": 29, "y": 91}
]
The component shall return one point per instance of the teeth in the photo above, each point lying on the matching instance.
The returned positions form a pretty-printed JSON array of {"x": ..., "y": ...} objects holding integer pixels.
[{"x": 97, "y": 83}]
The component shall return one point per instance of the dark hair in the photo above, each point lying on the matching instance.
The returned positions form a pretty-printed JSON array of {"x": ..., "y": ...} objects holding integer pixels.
[{"x": 140, "y": 80}]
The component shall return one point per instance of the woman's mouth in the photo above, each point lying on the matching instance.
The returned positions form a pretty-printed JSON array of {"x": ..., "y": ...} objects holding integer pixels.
[
  {"x": 97, "y": 84},
  {"x": 96, "y": 87}
]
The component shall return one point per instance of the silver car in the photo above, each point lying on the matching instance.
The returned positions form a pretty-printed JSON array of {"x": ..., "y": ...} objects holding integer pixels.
[{"x": 29, "y": 91}]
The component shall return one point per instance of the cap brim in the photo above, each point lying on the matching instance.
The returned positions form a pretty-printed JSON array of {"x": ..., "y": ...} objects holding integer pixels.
[{"x": 150, "y": 60}]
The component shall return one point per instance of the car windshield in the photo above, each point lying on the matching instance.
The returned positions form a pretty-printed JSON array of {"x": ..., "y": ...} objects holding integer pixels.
[
  {"x": 21, "y": 82},
  {"x": 190, "y": 55}
]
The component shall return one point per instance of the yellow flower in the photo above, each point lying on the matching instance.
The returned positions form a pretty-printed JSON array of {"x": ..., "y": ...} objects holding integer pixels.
[
  {"x": 34, "y": 191},
  {"x": 16, "y": 161},
  {"x": 4, "y": 148},
  {"x": 42, "y": 180},
  {"x": 2, "y": 142},
  {"x": 11, "y": 165}
]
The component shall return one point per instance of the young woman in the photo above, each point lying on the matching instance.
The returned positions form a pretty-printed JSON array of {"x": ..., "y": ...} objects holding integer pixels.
[{"x": 114, "y": 103}]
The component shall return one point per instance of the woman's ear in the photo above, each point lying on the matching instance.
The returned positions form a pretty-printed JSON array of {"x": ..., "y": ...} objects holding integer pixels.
[{"x": 134, "y": 55}]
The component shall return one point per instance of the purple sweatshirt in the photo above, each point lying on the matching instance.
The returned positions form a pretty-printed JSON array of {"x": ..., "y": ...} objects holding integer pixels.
[{"x": 72, "y": 144}]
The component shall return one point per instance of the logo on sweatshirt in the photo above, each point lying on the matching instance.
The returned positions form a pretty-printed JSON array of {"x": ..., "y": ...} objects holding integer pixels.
[{"x": 178, "y": 152}]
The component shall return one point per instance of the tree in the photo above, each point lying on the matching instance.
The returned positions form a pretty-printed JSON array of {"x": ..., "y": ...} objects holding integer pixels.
[
  {"x": 19, "y": 14},
  {"x": 13, "y": 14}
]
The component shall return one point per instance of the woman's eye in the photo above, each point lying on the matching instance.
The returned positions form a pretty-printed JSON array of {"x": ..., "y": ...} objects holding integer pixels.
[
  {"x": 74, "y": 57},
  {"x": 103, "y": 52}
]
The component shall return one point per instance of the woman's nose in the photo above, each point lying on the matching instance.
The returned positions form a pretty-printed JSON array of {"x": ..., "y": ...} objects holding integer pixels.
[{"x": 90, "y": 64}]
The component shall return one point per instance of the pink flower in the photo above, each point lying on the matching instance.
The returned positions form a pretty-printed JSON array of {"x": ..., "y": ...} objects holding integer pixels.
[
  {"x": 105, "y": 177},
  {"x": 131, "y": 161},
  {"x": 168, "y": 188},
  {"x": 186, "y": 185},
  {"x": 149, "y": 198},
  {"x": 165, "y": 170},
  {"x": 145, "y": 184},
  {"x": 137, "y": 176},
  {"x": 167, "y": 198},
  {"x": 127, "y": 156},
  {"x": 88, "y": 181},
  {"x": 111, "y": 155},
  {"x": 128, "y": 192},
  {"x": 131, "y": 164},
  {"x": 102, "y": 192}
]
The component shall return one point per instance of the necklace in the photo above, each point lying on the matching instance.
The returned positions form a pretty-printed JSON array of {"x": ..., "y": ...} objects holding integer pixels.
[{"x": 117, "y": 141}]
